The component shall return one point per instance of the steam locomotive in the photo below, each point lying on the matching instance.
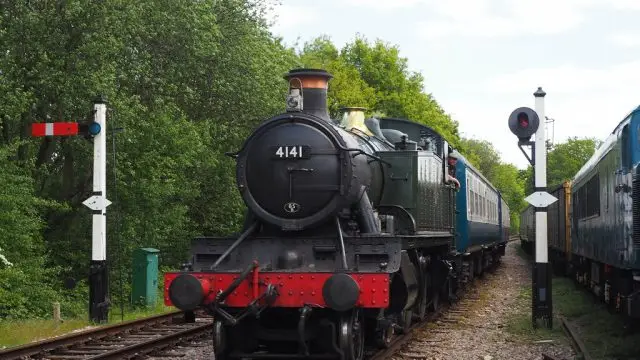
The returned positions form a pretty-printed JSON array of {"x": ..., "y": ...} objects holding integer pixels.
[
  {"x": 594, "y": 227},
  {"x": 354, "y": 229}
]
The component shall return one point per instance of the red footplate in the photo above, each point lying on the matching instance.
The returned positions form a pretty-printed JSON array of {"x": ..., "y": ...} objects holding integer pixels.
[{"x": 294, "y": 289}]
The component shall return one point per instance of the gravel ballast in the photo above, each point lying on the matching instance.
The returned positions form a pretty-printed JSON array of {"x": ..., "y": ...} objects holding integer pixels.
[{"x": 480, "y": 332}]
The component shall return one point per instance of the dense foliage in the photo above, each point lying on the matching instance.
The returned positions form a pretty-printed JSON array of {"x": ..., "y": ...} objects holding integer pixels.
[
  {"x": 563, "y": 161},
  {"x": 186, "y": 82},
  {"x": 375, "y": 76}
]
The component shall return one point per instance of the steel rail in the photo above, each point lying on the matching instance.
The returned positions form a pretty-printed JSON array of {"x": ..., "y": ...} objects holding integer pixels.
[
  {"x": 78, "y": 338},
  {"x": 155, "y": 344},
  {"x": 577, "y": 343}
]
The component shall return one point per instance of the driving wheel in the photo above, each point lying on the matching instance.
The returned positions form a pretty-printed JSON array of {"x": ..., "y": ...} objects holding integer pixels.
[
  {"x": 220, "y": 344},
  {"x": 351, "y": 335}
]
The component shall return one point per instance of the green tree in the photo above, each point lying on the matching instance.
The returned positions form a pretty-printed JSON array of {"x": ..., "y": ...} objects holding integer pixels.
[
  {"x": 565, "y": 159},
  {"x": 27, "y": 286},
  {"x": 399, "y": 92},
  {"x": 347, "y": 88},
  {"x": 482, "y": 155},
  {"x": 186, "y": 80}
]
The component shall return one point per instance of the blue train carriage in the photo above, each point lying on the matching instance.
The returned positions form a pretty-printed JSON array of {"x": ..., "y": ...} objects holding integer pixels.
[
  {"x": 505, "y": 219},
  {"x": 605, "y": 236},
  {"x": 479, "y": 238}
]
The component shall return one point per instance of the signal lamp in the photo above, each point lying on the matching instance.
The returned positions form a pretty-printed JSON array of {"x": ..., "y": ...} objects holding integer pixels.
[
  {"x": 523, "y": 122},
  {"x": 89, "y": 129}
]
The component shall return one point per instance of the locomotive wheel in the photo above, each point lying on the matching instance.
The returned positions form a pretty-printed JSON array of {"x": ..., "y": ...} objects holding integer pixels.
[
  {"x": 220, "y": 342},
  {"x": 435, "y": 302},
  {"x": 421, "y": 310},
  {"x": 405, "y": 320},
  {"x": 384, "y": 335},
  {"x": 189, "y": 317},
  {"x": 351, "y": 336}
]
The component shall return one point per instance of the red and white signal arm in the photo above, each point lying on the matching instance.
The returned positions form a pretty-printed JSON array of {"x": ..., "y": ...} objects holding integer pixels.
[{"x": 54, "y": 129}]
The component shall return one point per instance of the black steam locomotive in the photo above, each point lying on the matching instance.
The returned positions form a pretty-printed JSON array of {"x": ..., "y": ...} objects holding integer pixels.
[{"x": 349, "y": 235}]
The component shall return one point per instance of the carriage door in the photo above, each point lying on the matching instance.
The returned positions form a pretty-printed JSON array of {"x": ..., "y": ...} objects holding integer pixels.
[{"x": 622, "y": 194}]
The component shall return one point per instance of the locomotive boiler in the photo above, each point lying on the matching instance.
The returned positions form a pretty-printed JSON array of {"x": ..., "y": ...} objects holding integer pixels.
[{"x": 349, "y": 234}]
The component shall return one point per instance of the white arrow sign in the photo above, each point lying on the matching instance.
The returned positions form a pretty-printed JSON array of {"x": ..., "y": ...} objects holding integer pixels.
[
  {"x": 540, "y": 199},
  {"x": 97, "y": 202}
]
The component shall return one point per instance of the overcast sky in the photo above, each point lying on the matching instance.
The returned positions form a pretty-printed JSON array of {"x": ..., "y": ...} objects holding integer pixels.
[{"x": 483, "y": 58}]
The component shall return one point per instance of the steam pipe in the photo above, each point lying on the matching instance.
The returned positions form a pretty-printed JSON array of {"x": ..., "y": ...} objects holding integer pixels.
[
  {"x": 233, "y": 246},
  {"x": 367, "y": 221},
  {"x": 343, "y": 254}
]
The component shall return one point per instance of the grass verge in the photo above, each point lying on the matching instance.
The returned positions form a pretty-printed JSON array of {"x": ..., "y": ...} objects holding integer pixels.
[
  {"x": 601, "y": 331},
  {"x": 18, "y": 332}
]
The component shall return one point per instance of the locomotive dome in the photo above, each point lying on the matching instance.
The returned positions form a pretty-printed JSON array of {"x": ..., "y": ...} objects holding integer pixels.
[{"x": 296, "y": 169}]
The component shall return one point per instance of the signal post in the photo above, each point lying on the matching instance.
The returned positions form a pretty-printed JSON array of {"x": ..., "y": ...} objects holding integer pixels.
[
  {"x": 524, "y": 122},
  {"x": 94, "y": 129}
]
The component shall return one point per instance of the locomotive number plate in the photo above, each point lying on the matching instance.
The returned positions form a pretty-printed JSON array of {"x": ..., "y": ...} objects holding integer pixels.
[{"x": 291, "y": 152}]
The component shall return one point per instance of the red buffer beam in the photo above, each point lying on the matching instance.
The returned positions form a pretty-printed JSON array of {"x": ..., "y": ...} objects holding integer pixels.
[{"x": 54, "y": 129}]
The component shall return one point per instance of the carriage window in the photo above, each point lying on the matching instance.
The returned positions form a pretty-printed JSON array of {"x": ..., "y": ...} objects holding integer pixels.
[
  {"x": 477, "y": 204},
  {"x": 593, "y": 196},
  {"x": 587, "y": 199},
  {"x": 625, "y": 147},
  {"x": 472, "y": 203},
  {"x": 484, "y": 207}
]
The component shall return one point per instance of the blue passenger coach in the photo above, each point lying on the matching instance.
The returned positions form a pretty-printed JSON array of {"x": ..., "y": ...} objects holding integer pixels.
[
  {"x": 605, "y": 230},
  {"x": 480, "y": 219}
]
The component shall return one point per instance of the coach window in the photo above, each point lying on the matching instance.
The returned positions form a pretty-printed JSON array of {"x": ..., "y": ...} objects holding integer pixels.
[
  {"x": 607, "y": 181},
  {"x": 625, "y": 147}
]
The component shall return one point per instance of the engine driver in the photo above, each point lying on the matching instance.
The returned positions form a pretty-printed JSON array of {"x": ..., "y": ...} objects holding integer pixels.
[{"x": 452, "y": 160}]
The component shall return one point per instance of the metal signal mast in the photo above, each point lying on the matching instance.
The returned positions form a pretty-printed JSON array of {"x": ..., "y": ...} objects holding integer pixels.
[
  {"x": 96, "y": 129},
  {"x": 523, "y": 123}
]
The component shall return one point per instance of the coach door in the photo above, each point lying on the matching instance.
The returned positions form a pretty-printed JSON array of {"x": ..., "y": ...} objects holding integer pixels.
[{"x": 622, "y": 194}]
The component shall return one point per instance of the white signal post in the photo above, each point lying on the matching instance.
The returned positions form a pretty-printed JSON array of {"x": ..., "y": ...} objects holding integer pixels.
[
  {"x": 542, "y": 255},
  {"x": 98, "y": 202},
  {"x": 98, "y": 273},
  {"x": 523, "y": 122},
  {"x": 541, "y": 199},
  {"x": 98, "y": 278}
]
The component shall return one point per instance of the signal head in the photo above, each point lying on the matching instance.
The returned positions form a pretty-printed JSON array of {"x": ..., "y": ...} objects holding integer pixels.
[
  {"x": 89, "y": 129},
  {"x": 523, "y": 122}
]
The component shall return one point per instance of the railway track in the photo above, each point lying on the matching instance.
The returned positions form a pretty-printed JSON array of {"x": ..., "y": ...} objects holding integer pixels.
[
  {"x": 448, "y": 315},
  {"x": 119, "y": 341},
  {"x": 403, "y": 339},
  {"x": 577, "y": 343}
]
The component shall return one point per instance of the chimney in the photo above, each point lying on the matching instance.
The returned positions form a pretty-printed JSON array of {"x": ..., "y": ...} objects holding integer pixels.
[{"x": 308, "y": 91}]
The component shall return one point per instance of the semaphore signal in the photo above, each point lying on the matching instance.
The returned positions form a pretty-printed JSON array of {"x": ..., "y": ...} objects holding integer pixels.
[{"x": 93, "y": 129}]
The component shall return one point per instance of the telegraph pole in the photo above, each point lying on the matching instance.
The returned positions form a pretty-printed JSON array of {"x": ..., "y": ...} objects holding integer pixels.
[{"x": 524, "y": 122}]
